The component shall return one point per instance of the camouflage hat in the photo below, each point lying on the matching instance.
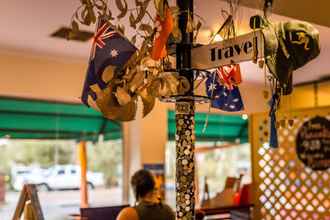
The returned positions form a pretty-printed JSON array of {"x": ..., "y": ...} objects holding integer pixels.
[{"x": 289, "y": 46}]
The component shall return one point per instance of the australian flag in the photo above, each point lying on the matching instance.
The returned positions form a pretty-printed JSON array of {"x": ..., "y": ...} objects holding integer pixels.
[
  {"x": 223, "y": 98},
  {"x": 108, "y": 48}
]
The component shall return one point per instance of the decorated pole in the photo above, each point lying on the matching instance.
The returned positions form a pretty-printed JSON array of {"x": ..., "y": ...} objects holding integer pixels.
[{"x": 185, "y": 112}]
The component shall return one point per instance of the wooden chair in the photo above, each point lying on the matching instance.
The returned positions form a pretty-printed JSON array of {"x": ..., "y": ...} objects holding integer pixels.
[{"x": 233, "y": 202}]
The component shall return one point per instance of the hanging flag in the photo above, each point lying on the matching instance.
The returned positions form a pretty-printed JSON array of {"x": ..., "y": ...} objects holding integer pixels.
[
  {"x": 109, "y": 49},
  {"x": 221, "y": 97},
  {"x": 165, "y": 27},
  {"x": 230, "y": 75},
  {"x": 273, "y": 139}
]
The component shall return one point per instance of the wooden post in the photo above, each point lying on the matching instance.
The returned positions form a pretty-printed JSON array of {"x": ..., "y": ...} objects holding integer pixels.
[
  {"x": 185, "y": 122},
  {"x": 83, "y": 178}
]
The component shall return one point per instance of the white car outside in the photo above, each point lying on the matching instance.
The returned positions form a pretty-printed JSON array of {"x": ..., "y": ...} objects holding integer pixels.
[
  {"x": 60, "y": 177},
  {"x": 22, "y": 174}
]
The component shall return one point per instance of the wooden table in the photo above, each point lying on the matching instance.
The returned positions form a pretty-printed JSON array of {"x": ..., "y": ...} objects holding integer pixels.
[{"x": 242, "y": 212}]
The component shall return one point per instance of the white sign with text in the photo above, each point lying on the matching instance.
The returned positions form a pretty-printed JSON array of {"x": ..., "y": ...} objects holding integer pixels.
[{"x": 225, "y": 52}]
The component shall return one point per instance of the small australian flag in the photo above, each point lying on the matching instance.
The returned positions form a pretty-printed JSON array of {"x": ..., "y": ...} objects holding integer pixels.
[
  {"x": 223, "y": 98},
  {"x": 108, "y": 48}
]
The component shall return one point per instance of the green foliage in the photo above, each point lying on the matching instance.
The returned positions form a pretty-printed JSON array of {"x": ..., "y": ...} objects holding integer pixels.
[
  {"x": 106, "y": 158},
  {"x": 35, "y": 152}
]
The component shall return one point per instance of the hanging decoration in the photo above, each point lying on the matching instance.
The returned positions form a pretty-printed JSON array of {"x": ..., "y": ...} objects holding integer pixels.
[
  {"x": 222, "y": 85},
  {"x": 224, "y": 97},
  {"x": 274, "y": 104},
  {"x": 229, "y": 75},
  {"x": 120, "y": 74},
  {"x": 164, "y": 29},
  {"x": 288, "y": 46}
]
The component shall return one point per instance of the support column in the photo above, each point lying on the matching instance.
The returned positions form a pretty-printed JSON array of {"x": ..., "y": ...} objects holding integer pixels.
[
  {"x": 185, "y": 165},
  {"x": 144, "y": 143},
  {"x": 185, "y": 122},
  {"x": 131, "y": 154},
  {"x": 83, "y": 178}
]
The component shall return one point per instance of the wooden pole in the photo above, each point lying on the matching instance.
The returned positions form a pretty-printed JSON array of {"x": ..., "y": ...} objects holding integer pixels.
[
  {"x": 83, "y": 178},
  {"x": 185, "y": 122}
]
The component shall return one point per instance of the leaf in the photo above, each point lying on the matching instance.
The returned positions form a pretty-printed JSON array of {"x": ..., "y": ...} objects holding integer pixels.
[
  {"x": 100, "y": 5},
  {"x": 74, "y": 26},
  {"x": 86, "y": 16},
  {"x": 197, "y": 28},
  {"x": 109, "y": 15},
  {"x": 146, "y": 27},
  {"x": 91, "y": 15},
  {"x": 190, "y": 24},
  {"x": 132, "y": 21},
  {"x": 184, "y": 85},
  {"x": 133, "y": 40},
  {"x": 142, "y": 11},
  {"x": 176, "y": 32},
  {"x": 110, "y": 108},
  {"x": 175, "y": 11},
  {"x": 122, "y": 6},
  {"x": 122, "y": 96},
  {"x": 108, "y": 74},
  {"x": 138, "y": 3},
  {"x": 83, "y": 15},
  {"x": 76, "y": 15},
  {"x": 121, "y": 29},
  {"x": 71, "y": 35},
  {"x": 148, "y": 102},
  {"x": 137, "y": 80},
  {"x": 160, "y": 8}
]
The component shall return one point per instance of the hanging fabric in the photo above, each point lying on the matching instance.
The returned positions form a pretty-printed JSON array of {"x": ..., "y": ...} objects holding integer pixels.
[
  {"x": 165, "y": 27},
  {"x": 273, "y": 140}
]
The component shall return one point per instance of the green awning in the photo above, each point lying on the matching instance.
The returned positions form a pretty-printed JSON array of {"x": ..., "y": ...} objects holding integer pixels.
[
  {"x": 228, "y": 128},
  {"x": 37, "y": 119}
]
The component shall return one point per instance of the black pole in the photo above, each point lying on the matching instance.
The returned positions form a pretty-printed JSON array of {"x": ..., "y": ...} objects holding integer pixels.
[{"x": 185, "y": 122}]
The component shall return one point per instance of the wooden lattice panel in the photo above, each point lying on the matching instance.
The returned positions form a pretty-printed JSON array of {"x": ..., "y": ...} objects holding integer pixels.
[{"x": 285, "y": 188}]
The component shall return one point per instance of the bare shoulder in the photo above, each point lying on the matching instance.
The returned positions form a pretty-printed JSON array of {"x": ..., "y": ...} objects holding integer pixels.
[{"x": 128, "y": 213}]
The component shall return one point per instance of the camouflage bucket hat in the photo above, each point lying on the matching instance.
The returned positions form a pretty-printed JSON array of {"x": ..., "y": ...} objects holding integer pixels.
[{"x": 289, "y": 46}]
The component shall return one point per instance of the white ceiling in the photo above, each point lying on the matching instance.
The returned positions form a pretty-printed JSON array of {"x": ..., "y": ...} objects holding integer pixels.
[{"x": 26, "y": 26}]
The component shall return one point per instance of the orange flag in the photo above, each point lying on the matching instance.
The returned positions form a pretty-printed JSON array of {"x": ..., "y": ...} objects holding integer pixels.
[{"x": 166, "y": 26}]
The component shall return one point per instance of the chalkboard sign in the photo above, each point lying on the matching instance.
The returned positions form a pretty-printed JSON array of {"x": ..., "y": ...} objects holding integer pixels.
[{"x": 313, "y": 143}]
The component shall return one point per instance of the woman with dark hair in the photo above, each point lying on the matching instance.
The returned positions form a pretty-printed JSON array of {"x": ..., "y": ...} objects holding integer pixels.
[{"x": 148, "y": 205}]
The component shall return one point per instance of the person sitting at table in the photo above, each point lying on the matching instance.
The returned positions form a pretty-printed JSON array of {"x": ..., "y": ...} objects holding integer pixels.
[{"x": 148, "y": 205}]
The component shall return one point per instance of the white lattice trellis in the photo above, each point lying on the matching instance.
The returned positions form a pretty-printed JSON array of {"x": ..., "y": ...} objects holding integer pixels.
[{"x": 285, "y": 188}]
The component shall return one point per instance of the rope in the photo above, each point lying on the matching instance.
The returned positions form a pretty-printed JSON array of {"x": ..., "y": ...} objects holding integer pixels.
[{"x": 209, "y": 110}]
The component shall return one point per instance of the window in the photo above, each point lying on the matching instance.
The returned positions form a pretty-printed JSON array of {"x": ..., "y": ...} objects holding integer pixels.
[
  {"x": 40, "y": 160},
  {"x": 60, "y": 172},
  {"x": 213, "y": 162}
]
